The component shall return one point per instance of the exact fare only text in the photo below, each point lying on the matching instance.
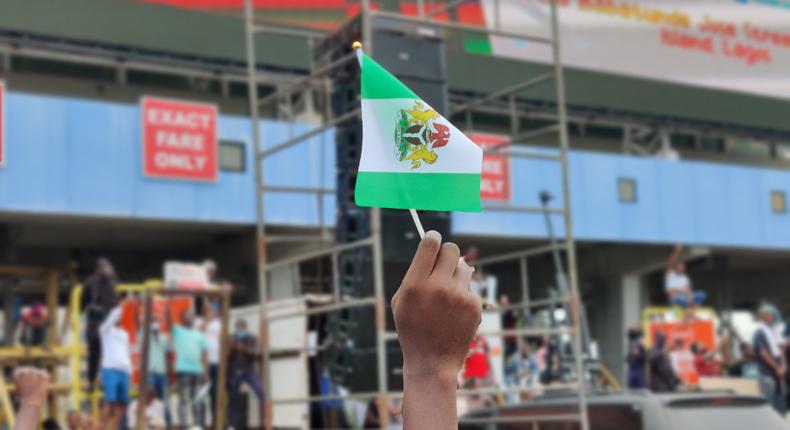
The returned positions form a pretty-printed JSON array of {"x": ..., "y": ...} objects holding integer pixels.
[{"x": 180, "y": 138}]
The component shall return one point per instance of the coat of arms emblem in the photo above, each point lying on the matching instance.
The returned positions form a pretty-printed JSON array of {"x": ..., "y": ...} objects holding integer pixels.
[{"x": 418, "y": 133}]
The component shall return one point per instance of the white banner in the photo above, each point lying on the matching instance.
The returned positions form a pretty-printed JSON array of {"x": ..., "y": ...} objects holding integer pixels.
[
  {"x": 188, "y": 276},
  {"x": 738, "y": 45}
]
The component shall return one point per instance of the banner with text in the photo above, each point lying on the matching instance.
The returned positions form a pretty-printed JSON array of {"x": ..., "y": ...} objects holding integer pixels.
[
  {"x": 495, "y": 177},
  {"x": 738, "y": 45},
  {"x": 179, "y": 139}
]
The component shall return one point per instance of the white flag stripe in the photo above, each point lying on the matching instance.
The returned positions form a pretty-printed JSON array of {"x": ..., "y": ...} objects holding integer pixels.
[{"x": 379, "y": 122}]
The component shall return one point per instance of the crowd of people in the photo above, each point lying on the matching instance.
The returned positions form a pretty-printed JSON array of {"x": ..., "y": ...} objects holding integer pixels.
[
  {"x": 434, "y": 344},
  {"x": 186, "y": 351},
  {"x": 675, "y": 364},
  {"x": 183, "y": 354}
]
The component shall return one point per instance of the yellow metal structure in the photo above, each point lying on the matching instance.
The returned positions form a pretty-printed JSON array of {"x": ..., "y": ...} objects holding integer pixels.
[
  {"x": 8, "y": 416},
  {"x": 73, "y": 352}
]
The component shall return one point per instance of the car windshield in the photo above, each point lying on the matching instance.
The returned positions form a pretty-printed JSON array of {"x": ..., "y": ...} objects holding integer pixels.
[{"x": 726, "y": 413}]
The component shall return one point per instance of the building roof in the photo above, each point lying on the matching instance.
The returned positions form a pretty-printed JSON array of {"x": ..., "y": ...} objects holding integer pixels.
[{"x": 218, "y": 38}]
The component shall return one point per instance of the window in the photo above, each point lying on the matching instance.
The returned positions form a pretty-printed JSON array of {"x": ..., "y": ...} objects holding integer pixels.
[
  {"x": 778, "y": 202},
  {"x": 626, "y": 190},
  {"x": 231, "y": 156}
]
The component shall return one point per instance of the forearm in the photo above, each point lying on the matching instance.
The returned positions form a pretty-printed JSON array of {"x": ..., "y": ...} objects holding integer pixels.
[
  {"x": 770, "y": 360},
  {"x": 429, "y": 403},
  {"x": 27, "y": 416}
]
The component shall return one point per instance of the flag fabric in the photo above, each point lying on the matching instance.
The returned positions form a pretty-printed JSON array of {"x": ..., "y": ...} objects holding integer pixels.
[{"x": 412, "y": 157}]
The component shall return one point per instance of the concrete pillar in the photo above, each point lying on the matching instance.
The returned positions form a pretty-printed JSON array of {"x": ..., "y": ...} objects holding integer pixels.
[
  {"x": 632, "y": 298},
  {"x": 618, "y": 303}
]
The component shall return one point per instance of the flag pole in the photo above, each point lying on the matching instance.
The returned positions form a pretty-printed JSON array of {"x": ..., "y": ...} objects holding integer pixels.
[
  {"x": 358, "y": 48},
  {"x": 417, "y": 222}
]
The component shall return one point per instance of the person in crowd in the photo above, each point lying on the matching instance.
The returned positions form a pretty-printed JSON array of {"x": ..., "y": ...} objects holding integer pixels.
[
  {"x": 636, "y": 359},
  {"x": 394, "y": 410},
  {"x": 98, "y": 297},
  {"x": 434, "y": 343},
  {"x": 483, "y": 285},
  {"x": 32, "y": 327},
  {"x": 705, "y": 362},
  {"x": 678, "y": 285},
  {"x": 767, "y": 345},
  {"x": 154, "y": 412},
  {"x": 50, "y": 424},
  {"x": 541, "y": 353},
  {"x": 74, "y": 420},
  {"x": 683, "y": 363},
  {"x": 520, "y": 371},
  {"x": 32, "y": 387},
  {"x": 243, "y": 360},
  {"x": 509, "y": 322},
  {"x": 116, "y": 367},
  {"x": 662, "y": 375},
  {"x": 746, "y": 366},
  {"x": 158, "y": 347},
  {"x": 211, "y": 271},
  {"x": 191, "y": 365},
  {"x": 552, "y": 373},
  {"x": 211, "y": 326},
  {"x": 478, "y": 365}
]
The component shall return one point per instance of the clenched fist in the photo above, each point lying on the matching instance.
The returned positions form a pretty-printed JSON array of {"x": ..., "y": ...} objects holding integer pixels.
[
  {"x": 436, "y": 317},
  {"x": 31, "y": 385}
]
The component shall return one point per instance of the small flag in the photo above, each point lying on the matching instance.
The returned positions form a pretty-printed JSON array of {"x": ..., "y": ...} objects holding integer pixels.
[{"x": 412, "y": 157}]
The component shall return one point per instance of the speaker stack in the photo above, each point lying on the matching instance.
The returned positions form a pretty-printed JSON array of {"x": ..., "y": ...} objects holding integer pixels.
[{"x": 415, "y": 55}]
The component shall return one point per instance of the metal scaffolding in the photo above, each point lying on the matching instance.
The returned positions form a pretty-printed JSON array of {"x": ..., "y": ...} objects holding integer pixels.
[{"x": 319, "y": 80}]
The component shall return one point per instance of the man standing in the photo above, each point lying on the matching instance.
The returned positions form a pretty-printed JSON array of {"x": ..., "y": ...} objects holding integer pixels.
[
  {"x": 767, "y": 347},
  {"x": 116, "y": 367},
  {"x": 662, "y": 375},
  {"x": 244, "y": 355},
  {"x": 678, "y": 285},
  {"x": 636, "y": 359},
  {"x": 98, "y": 298},
  {"x": 211, "y": 326},
  {"x": 157, "y": 360},
  {"x": 191, "y": 365}
]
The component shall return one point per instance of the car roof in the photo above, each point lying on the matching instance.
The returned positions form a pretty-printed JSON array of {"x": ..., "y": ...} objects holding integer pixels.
[{"x": 631, "y": 397}]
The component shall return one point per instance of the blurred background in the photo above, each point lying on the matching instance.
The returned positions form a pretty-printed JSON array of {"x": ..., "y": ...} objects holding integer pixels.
[{"x": 677, "y": 116}]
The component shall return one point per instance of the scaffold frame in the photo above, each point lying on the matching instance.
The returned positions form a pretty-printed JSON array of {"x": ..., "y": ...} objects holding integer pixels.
[{"x": 374, "y": 241}]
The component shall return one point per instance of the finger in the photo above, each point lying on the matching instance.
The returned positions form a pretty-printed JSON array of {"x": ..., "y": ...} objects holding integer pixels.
[
  {"x": 425, "y": 257},
  {"x": 447, "y": 260},
  {"x": 463, "y": 273}
]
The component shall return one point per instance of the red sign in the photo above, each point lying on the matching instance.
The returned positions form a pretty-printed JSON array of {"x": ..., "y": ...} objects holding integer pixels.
[
  {"x": 702, "y": 331},
  {"x": 2, "y": 123},
  {"x": 179, "y": 139},
  {"x": 495, "y": 178}
]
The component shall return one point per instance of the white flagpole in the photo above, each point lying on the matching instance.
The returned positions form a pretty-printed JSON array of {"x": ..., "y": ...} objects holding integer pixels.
[
  {"x": 417, "y": 222},
  {"x": 358, "y": 48}
]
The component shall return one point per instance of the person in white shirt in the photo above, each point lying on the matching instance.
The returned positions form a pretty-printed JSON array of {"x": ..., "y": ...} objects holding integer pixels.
[
  {"x": 116, "y": 367},
  {"x": 211, "y": 326},
  {"x": 154, "y": 412},
  {"x": 677, "y": 284}
]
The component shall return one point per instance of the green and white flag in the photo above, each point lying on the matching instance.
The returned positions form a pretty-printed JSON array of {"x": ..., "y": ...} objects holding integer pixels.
[{"x": 412, "y": 157}]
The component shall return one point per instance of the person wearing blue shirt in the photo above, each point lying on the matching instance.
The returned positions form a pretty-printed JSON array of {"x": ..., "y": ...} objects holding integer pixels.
[{"x": 191, "y": 366}]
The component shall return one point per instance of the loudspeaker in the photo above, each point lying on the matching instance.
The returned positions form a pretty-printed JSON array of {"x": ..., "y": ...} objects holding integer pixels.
[
  {"x": 414, "y": 53},
  {"x": 359, "y": 371},
  {"x": 400, "y": 236}
]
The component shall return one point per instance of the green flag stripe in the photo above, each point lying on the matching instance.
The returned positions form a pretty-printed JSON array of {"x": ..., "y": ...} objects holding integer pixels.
[
  {"x": 378, "y": 83},
  {"x": 433, "y": 191}
]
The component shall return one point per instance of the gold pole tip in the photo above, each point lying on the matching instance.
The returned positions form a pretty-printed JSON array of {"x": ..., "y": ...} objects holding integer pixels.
[{"x": 356, "y": 45}]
